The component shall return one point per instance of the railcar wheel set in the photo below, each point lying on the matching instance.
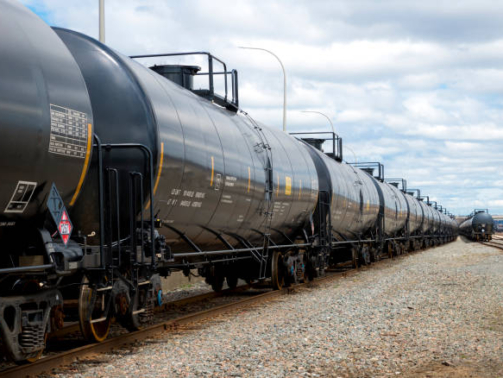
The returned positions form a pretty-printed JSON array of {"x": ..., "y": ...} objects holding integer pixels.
[{"x": 115, "y": 174}]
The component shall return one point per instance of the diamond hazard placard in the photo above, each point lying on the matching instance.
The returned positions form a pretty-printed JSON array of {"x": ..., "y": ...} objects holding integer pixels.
[
  {"x": 65, "y": 227},
  {"x": 59, "y": 214}
]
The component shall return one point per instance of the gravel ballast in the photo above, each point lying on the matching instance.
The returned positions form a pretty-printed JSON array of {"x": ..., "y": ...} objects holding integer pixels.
[{"x": 437, "y": 313}]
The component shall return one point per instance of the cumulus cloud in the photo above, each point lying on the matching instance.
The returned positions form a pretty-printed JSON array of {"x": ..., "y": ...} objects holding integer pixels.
[{"x": 416, "y": 85}]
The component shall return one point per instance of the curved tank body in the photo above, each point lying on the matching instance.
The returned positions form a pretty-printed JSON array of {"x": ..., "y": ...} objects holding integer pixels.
[
  {"x": 436, "y": 220},
  {"x": 480, "y": 225},
  {"x": 415, "y": 213},
  {"x": 428, "y": 224},
  {"x": 483, "y": 222},
  {"x": 46, "y": 120},
  {"x": 395, "y": 209},
  {"x": 448, "y": 226},
  {"x": 354, "y": 200},
  {"x": 211, "y": 166}
]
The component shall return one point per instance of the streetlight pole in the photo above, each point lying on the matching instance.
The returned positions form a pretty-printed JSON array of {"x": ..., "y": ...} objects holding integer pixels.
[
  {"x": 102, "y": 21},
  {"x": 350, "y": 149},
  {"x": 323, "y": 114},
  {"x": 284, "y": 79}
]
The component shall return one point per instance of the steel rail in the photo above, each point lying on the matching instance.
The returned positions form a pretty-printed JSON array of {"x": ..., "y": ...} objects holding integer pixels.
[
  {"x": 494, "y": 244},
  {"x": 166, "y": 306}
]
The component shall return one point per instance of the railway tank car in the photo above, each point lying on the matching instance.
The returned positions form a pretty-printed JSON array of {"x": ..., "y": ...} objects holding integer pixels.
[
  {"x": 115, "y": 174},
  {"x": 478, "y": 226}
]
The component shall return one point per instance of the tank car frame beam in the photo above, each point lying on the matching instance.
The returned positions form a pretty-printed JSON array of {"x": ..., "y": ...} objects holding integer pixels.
[{"x": 27, "y": 269}]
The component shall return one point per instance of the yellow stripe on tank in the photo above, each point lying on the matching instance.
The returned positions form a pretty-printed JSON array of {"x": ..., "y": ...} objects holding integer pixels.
[
  {"x": 161, "y": 161},
  {"x": 288, "y": 185},
  {"x": 86, "y": 163},
  {"x": 212, "y": 170},
  {"x": 159, "y": 171}
]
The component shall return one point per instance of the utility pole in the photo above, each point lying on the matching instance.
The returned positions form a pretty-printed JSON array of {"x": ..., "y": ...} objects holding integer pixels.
[{"x": 102, "y": 21}]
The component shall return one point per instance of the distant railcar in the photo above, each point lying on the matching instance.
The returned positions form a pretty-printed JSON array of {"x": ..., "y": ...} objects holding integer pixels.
[{"x": 478, "y": 226}]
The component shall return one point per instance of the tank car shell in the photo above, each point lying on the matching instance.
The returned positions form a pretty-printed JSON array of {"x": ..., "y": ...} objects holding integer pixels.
[
  {"x": 354, "y": 202},
  {"x": 211, "y": 165},
  {"x": 46, "y": 119},
  {"x": 395, "y": 209},
  {"x": 431, "y": 218},
  {"x": 483, "y": 222},
  {"x": 416, "y": 214},
  {"x": 447, "y": 224}
]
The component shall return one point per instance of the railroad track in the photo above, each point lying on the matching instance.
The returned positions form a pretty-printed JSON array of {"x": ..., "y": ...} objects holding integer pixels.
[
  {"x": 495, "y": 243},
  {"x": 47, "y": 363},
  {"x": 74, "y": 327}
]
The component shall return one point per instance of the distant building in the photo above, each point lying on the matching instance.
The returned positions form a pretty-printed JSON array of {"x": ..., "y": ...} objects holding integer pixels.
[{"x": 498, "y": 223}]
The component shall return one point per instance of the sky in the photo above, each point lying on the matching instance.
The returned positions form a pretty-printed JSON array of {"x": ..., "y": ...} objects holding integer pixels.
[{"x": 416, "y": 85}]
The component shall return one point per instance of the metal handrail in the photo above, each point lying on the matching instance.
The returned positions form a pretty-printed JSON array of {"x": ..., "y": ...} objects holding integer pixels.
[{"x": 210, "y": 73}]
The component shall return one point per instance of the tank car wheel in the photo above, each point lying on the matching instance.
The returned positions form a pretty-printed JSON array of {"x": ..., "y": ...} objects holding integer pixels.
[
  {"x": 94, "y": 318},
  {"x": 354, "y": 257},
  {"x": 215, "y": 278},
  {"x": 277, "y": 271},
  {"x": 390, "y": 250},
  {"x": 310, "y": 270},
  {"x": 374, "y": 256},
  {"x": 141, "y": 310},
  {"x": 232, "y": 281},
  {"x": 217, "y": 284},
  {"x": 365, "y": 255}
]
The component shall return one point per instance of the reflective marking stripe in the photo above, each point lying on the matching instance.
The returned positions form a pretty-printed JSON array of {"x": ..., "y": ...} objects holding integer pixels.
[
  {"x": 212, "y": 170},
  {"x": 300, "y": 189},
  {"x": 249, "y": 179},
  {"x": 161, "y": 160},
  {"x": 86, "y": 163},
  {"x": 288, "y": 185},
  {"x": 158, "y": 178}
]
